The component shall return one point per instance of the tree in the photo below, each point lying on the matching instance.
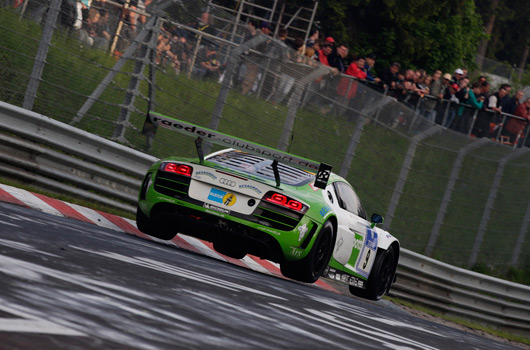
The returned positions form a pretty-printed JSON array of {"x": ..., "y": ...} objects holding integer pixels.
[{"x": 426, "y": 34}]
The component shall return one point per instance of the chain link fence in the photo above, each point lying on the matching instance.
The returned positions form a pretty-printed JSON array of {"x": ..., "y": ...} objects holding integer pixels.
[{"x": 446, "y": 194}]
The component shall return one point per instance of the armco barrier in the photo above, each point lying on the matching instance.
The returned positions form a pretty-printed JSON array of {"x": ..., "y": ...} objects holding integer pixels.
[{"x": 58, "y": 156}]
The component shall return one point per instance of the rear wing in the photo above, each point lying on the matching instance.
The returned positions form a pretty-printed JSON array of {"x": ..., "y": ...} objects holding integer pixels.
[{"x": 322, "y": 170}]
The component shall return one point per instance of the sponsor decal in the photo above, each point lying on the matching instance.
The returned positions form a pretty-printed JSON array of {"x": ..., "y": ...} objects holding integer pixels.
[
  {"x": 343, "y": 277},
  {"x": 303, "y": 230},
  {"x": 166, "y": 199},
  {"x": 324, "y": 211},
  {"x": 206, "y": 173},
  {"x": 269, "y": 230},
  {"x": 216, "y": 195},
  {"x": 227, "y": 182},
  {"x": 222, "y": 197},
  {"x": 230, "y": 141},
  {"x": 339, "y": 244},
  {"x": 250, "y": 187},
  {"x": 295, "y": 252},
  {"x": 322, "y": 177},
  {"x": 229, "y": 199},
  {"x": 216, "y": 210},
  {"x": 371, "y": 239},
  {"x": 358, "y": 242}
]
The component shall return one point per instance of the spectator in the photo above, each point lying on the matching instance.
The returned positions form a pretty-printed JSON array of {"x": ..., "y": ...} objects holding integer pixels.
[
  {"x": 347, "y": 87},
  {"x": 484, "y": 90},
  {"x": 459, "y": 74},
  {"x": 206, "y": 63},
  {"x": 252, "y": 65},
  {"x": 515, "y": 127},
  {"x": 435, "y": 93},
  {"x": 368, "y": 68},
  {"x": 510, "y": 104},
  {"x": 179, "y": 49},
  {"x": 312, "y": 39},
  {"x": 389, "y": 78},
  {"x": 495, "y": 100},
  {"x": 337, "y": 56},
  {"x": 88, "y": 31},
  {"x": 471, "y": 100},
  {"x": 102, "y": 39},
  {"x": 163, "y": 50},
  {"x": 82, "y": 13},
  {"x": 453, "y": 104},
  {"x": 134, "y": 17},
  {"x": 325, "y": 53}
]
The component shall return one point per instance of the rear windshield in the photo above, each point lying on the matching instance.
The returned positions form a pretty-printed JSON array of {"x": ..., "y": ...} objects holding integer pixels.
[{"x": 262, "y": 167}]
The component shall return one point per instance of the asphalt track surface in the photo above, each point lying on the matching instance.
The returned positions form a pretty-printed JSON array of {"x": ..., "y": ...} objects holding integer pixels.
[{"x": 73, "y": 278}]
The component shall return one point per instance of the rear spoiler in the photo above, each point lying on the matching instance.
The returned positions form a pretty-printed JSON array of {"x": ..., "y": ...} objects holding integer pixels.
[{"x": 322, "y": 170}]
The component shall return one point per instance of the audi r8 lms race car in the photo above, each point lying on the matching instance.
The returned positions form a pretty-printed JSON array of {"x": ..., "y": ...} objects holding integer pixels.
[{"x": 251, "y": 199}]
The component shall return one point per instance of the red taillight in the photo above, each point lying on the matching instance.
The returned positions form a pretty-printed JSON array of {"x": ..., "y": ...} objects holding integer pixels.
[
  {"x": 180, "y": 169},
  {"x": 284, "y": 201}
]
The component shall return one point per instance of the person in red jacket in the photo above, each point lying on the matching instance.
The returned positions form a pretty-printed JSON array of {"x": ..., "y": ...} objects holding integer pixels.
[{"x": 347, "y": 87}]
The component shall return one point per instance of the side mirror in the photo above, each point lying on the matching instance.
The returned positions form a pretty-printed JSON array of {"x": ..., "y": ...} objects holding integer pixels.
[{"x": 376, "y": 219}]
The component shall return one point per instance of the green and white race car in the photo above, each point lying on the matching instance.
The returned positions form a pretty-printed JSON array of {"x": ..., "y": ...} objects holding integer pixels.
[{"x": 251, "y": 199}]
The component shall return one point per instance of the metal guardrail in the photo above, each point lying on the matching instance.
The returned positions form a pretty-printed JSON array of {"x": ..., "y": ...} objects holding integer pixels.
[{"x": 58, "y": 156}]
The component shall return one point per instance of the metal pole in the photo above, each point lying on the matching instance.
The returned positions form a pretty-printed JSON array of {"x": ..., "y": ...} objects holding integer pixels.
[
  {"x": 118, "y": 29},
  {"x": 457, "y": 166},
  {"x": 404, "y": 172},
  {"x": 490, "y": 203},
  {"x": 42, "y": 53}
]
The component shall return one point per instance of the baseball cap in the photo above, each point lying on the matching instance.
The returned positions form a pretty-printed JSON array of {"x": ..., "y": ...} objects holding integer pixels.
[
  {"x": 455, "y": 86},
  {"x": 329, "y": 40},
  {"x": 459, "y": 71},
  {"x": 447, "y": 76},
  {"x": 265, "y": 25}
]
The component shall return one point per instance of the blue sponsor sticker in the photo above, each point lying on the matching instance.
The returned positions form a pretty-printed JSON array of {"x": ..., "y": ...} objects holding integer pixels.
[
  {"x": 324, "y": 211},
  {"x": 371, "y": 239},
  {"x": 216, "y": 195}
]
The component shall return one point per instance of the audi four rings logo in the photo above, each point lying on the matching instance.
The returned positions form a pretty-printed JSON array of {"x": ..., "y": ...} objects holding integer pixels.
[{"x": 227, "y": 182}]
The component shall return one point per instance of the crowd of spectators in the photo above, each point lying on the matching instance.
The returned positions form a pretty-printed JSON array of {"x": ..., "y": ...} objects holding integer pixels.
[{"x": 450, "y": 99}]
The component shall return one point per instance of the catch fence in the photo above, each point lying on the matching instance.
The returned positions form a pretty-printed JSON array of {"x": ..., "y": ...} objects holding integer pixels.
[{"x": 454, "y": 196}]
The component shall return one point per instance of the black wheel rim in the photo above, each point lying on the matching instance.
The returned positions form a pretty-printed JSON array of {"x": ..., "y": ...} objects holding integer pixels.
[{"x": 322, "y": 253}]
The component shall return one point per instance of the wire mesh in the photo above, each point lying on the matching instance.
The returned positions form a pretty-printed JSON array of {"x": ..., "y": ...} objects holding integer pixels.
[{"x": 181, "y": 68}]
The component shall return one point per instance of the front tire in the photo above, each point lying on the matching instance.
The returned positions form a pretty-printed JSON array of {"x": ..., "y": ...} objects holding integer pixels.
[
  {"x": 310, "y": 268},
  {"x": 381, "y": 276}
]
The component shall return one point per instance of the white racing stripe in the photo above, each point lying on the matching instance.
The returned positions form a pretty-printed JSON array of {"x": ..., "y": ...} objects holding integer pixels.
[
  {"x": 31, "y": 200},
  {"x": 95, "y": 217}
]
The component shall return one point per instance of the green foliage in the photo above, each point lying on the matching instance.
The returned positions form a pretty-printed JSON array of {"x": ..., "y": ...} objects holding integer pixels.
[{"x": 421, "y": 34}]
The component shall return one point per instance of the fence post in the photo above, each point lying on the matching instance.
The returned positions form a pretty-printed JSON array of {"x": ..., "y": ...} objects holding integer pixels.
[
  {"x": 457, "y": 166},
  {"x": 404, "y": 172},
  {"x": 490, "y": 202},
  {"x": 231, "y": 66},
  {"x": 521, "y": 238},
  {"x": 42, "y": 53},
  {"x": 134, "y": 82},
  {"x": 294, "y": 102}
]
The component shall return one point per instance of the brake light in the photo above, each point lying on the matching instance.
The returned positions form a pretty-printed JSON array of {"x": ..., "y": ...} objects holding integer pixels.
[
  {"x": 181, "y": 169},
  {"x": 284, "y": 201}
]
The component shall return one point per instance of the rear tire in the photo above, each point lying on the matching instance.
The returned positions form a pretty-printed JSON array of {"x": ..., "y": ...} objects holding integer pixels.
[
  {"x": 381, "y": 276},
  {"x": 162, "y": 225},
  {"x": 310, "y": 268}
]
